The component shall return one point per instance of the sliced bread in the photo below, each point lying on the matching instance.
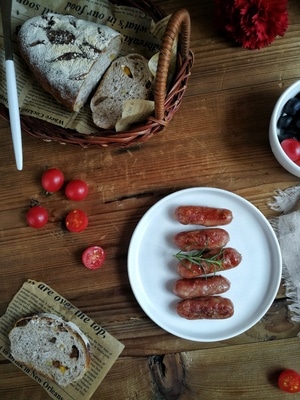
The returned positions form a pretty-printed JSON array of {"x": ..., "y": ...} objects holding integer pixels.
[
  {"x": 127, "y": 78},
  {"x": 51, "y": 346},
  {"x": 68, "y": 56}
]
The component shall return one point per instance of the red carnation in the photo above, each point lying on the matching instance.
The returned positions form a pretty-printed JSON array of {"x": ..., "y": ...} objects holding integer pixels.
[{"x": 252, "y": 23}]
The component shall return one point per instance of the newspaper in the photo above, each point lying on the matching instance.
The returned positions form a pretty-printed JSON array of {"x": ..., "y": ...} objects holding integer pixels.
[
  {"x": 140, "y": 35},
  {"x": 37, "y": 297}
]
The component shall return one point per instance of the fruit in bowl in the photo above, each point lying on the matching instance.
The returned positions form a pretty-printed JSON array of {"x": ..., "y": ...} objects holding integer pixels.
[{"x": 284, "y": 130}]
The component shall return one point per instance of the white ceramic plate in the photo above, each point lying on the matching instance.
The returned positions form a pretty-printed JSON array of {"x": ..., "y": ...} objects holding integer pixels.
[{"x": 152, "y": 266}]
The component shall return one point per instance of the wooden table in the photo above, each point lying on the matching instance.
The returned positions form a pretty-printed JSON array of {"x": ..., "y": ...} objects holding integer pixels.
[{"x": 219, "y": 138}]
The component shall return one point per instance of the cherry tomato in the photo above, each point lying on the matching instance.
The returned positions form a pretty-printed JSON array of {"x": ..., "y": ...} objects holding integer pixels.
[
  {"x": 93, "y": 257},
  {"x": 292, "y": 148},
  {"x": 76, "y": 190},
  {"x": 289, "y": 381},
  {"x": 52, "y": 180},
  {"x": 76, "y": 221},
  {"x": 37, "y": 217}
]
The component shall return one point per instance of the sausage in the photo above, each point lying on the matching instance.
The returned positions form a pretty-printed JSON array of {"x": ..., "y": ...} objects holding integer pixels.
[
  {"x": 207, "y": 307},
  {"x": 197, "y": 287},
  {"x": 201, "y": 239},
  {"x": 228, "y": 257},
  {"x": 201, "y": 215}
]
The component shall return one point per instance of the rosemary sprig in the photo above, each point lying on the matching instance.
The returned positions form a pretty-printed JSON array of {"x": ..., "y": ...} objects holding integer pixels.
[{"x": 199, "y": 258}]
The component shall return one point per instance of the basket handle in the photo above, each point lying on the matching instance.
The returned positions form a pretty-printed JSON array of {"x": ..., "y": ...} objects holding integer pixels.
[{"x": 178, "y": 20}]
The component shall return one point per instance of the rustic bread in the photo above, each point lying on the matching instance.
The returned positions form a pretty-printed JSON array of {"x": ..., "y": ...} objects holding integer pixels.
[
  {"x": 127, "y": 78},
  {"x": 51, "y": 346},
  {"x": 68, "y": 56}
]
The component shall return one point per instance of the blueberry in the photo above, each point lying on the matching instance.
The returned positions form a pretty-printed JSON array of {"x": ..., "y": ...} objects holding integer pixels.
[
  {"x": 287, "y": 134},
  {"x": 292, "y": 106},
  {"x": 284, "y": 121},
  {"x": 296, "y": 121}
]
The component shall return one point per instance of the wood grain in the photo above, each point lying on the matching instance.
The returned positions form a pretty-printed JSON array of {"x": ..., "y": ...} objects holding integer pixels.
[{"x": 218, "y": 138}]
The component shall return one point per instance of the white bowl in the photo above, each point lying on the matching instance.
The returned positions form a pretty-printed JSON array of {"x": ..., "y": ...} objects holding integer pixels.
[{"x": 278, "y": 152}]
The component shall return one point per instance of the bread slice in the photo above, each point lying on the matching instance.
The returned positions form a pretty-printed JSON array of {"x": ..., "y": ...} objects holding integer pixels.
[
  {"x": 51, "y": 346},
  {"x": 127, "y": 78},
  {"x": 68, "y": 56}
]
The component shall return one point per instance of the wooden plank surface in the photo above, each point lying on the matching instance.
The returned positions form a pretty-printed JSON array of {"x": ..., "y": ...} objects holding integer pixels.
[{"x": 218, "y": 138}]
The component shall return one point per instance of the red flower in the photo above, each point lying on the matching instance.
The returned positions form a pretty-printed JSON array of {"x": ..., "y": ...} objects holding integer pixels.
[{"x": 252, "y": 23}]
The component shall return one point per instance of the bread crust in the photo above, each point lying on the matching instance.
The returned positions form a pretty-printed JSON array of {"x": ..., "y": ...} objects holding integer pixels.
[
  {"x": 68, "y": 56},
  {"x": 51, "y": 346}
]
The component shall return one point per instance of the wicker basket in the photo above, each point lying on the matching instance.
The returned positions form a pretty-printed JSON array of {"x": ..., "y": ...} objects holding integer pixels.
[{"x": 166, "y": 104}]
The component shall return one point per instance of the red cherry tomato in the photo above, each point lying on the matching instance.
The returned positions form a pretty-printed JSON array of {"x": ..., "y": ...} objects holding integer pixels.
[
  {"x": 289, "y": 381},
  {"x": 52, "y": 180},
  {"x": 93, "y": 257},
  {"x": 76, "y": 190},
  {"x": 37, "y": 217},
  {"x": 76, "y": 221},
  {"x": 291, "y": 147}
]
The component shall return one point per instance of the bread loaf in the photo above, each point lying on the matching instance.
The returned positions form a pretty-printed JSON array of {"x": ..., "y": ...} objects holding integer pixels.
[
  {"x": 68, "y": 56},
  {"x": 127, "y": 78},
  {"x": 51, "y": 346}
]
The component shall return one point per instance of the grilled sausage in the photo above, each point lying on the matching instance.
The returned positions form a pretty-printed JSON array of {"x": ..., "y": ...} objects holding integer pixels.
[
  {"x": 200, "y": 215},
  {"x": 201, "y": 239},
  {"x": 208, "y": 307},
  {"x": 228, "y": 258},
  {"x": 197, "y": 287}
]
